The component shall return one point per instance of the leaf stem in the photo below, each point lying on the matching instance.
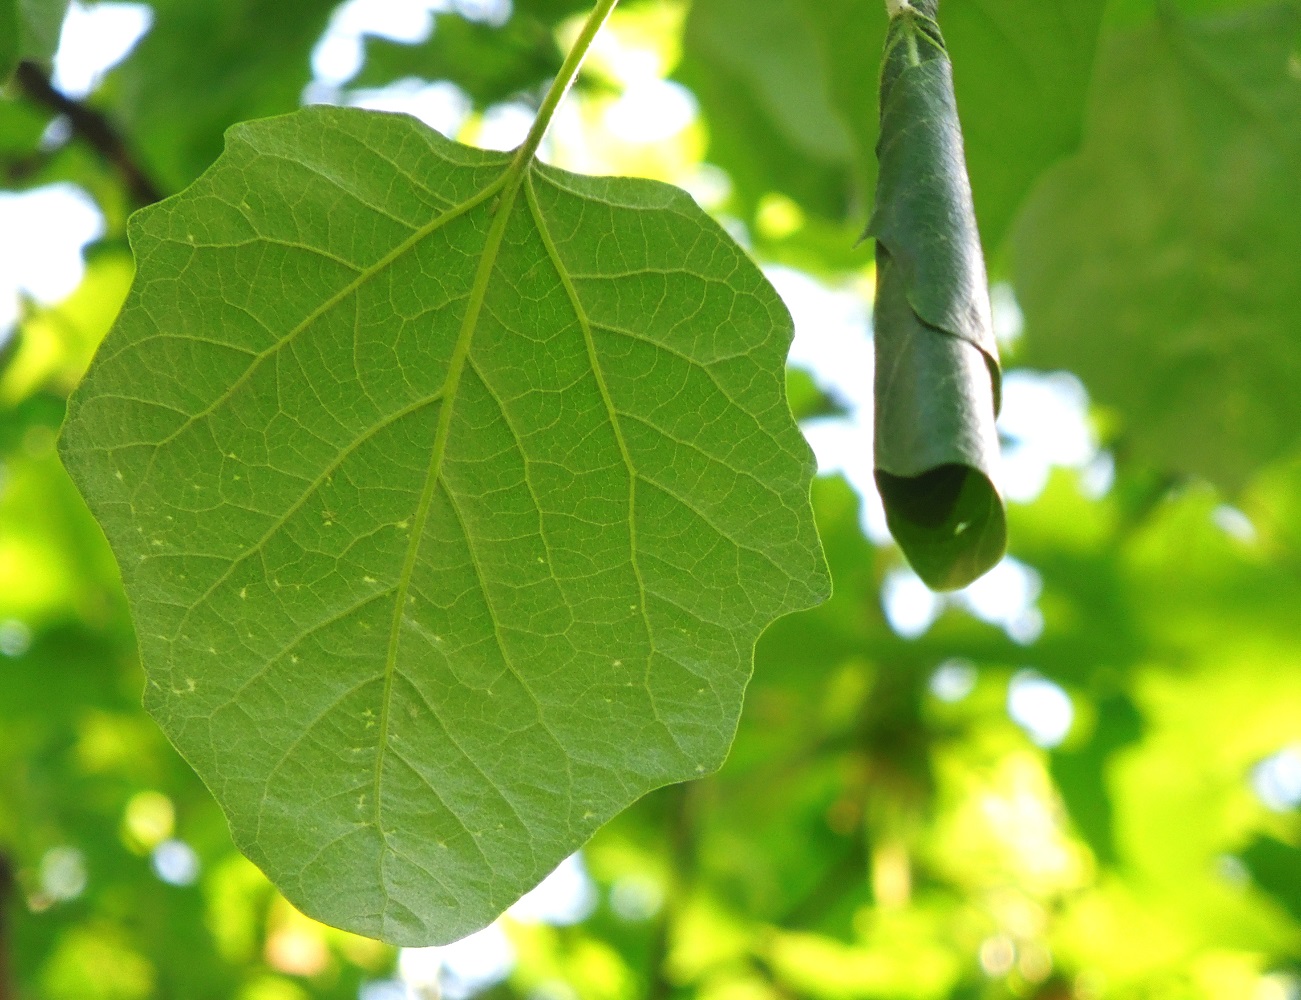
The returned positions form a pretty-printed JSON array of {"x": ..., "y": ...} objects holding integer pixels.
[{"x": 563, "y": 81}]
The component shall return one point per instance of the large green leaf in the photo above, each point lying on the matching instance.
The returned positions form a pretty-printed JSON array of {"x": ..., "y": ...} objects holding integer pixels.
[
  {"x": 1160, "y": 263},
  {"x": 937, "y": 375},
  {"x": 449, "y": 517}
]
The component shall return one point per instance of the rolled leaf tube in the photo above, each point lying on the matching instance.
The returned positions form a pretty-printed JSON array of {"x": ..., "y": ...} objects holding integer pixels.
[{"x": 937, "y": 373}]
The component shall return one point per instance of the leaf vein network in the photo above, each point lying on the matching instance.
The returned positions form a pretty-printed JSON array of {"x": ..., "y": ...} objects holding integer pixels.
[
  {"x": 584, "y": 323},
  {"x": 370, "y": 272}
]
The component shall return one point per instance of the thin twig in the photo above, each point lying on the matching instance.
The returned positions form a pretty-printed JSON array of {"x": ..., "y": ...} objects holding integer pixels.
[{"x": 93, "y": 128}]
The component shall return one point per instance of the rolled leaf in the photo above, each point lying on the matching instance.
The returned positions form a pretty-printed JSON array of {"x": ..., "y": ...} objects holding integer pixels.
[{"x": 937, "y": 374}]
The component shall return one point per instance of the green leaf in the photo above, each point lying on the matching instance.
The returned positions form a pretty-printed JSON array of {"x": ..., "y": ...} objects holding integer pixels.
[
  {"x": 1160, "y": 263},
  {"x": 771, "y": 49},
  {"x": 449, "y": 516},
  {"x": 1081, "y": 773},
  {"x": 772, "y": 122},
  {"x": 1276, "y": 868},
  {"x": 1122, "y": 14},
  {"x": 40, "y": 22},
  {"x": 808, "y": 400},
  {"x": 1022, "y": 70},
  {"x": 21, "y": 128},
  {"x": 937, "y": 376},
  {"x": 490, "y": 63},
  {"x": 205, "y": 66}
]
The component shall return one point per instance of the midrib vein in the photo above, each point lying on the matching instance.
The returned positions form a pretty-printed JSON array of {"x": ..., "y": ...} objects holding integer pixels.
[
  {"x": 510, "y": 185},
  {"x": 297, "y": 505},
  {"x": 453, "y": 213}
]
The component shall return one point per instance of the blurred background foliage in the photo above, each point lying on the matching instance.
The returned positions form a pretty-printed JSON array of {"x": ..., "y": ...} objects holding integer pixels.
[{"x": 1079, "y": 778}]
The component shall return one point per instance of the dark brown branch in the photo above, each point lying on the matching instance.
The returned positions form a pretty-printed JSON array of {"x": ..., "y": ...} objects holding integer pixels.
[{"x": 92, "y": 127}]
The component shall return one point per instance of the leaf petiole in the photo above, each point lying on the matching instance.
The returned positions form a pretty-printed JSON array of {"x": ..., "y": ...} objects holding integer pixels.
[{"x": 561, "y": 84}]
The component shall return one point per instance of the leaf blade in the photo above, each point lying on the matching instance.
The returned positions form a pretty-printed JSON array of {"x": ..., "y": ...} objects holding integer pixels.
[{"x": 439, "y": 666}]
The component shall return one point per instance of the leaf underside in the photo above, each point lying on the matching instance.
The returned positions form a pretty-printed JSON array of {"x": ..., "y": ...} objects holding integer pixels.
[
  {"x": 937, "y": 375},
  {"x": 444, "y": 541}
]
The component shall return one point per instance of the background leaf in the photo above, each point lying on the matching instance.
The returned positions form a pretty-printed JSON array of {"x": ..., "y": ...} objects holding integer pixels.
[
  {"x": 1275, "y": 866},
  {"x": 39, "y": 22},
  {"x": 1021, "y": 72},
  {"x": 1157, "y": 262},
  {"x": 205, "y": 66},
  {"x": 792, "y": 80},
  {"x": 8, "y": 37},
  {"x": 774, "y": 123},
  {"x": 491, "y": 62},
  {"x": 29, "y": 29}
]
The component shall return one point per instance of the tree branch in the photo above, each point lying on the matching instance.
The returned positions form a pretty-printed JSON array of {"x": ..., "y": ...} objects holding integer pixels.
[{"x": 93, "y": 128}]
